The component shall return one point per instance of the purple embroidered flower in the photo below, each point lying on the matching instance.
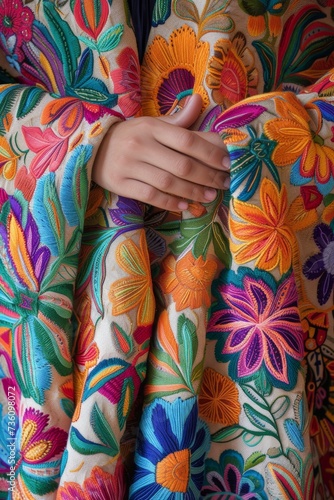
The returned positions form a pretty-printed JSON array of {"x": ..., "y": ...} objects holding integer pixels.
[
  {"x": 321, "y": 265},
  {"x": 257, "y": 326}
]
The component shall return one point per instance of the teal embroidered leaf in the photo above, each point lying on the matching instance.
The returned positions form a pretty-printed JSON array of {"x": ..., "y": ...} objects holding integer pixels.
[
  {"x": 161, "y": 12},
  {"x": 257, "y": 398},
  {"x": 37, "y": 484},
  {"x": 215, "y": 6},
  {"x": 280, "y": 407},
  {"x": 268, "y": 62},
  {"x": 110, "y": 38},
  {"x": 252, "y": 439},
  {"x": 260, "y": 421},
  {"x": 103, "y": 430},
  {"x": 294, "y": 433},
  {"x": 186, "y": 9},
  {"x": 86, "y": 447},
  {"x": 254, "y": 459},
  {"x": 54, "y": 212},
  {"x": 30, "y": 98},
  {"x": 88, "y": 41},
  {"x": 67, "y": 43}
]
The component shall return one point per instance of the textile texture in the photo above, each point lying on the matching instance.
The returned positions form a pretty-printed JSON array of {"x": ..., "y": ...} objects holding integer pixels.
[{"x": 155, "y": 355}]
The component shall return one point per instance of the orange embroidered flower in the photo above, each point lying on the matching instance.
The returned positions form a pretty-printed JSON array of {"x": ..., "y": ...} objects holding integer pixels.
[
  {"x": 8, "y": 160},
  {"x": 173, "y": 71},
  {"x": 231, "y": 73},
  {"x": 135, "y": 291},
  {"x": 188, "y": 280},
  {"x": 297, "y": 145},
  {"x": 219, "y": 399},
  {"x": 265, "y": 232}
]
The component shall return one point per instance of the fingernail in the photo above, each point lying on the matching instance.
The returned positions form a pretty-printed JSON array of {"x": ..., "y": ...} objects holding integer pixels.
[
  {"x": 210, "y": 194},
  {"x": 226, "y": 162},
  {"x": 183, "y": 205},
  {"x": 227, "y": 183}
]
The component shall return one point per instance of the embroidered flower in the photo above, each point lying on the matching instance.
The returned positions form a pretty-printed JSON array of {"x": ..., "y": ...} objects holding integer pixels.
[
  {"x": 231, "y": 73},
  {"x": 265, "y": 232},
  {"x": 229, "y": 476},
  {"x": 321, "y": 265},
  {"x": 257, "y": 326},
  {"x": 299, "y": 146},
  {"x": 134, "y": 291},
  {"x": 8, "y": 160},
  {"x": 173, "y": 71},
  {"x": 126, "y": 80},
  {"x": 218, "y": 399},
  {"x": 49, "y": 148},
  {"x": 100, "y": 485},
  {"x": 172, "y": 445},
  {"x": 91, "y": 16},
  {"x": 15, "y": 25},
  {"x": 188, "y": 280}
]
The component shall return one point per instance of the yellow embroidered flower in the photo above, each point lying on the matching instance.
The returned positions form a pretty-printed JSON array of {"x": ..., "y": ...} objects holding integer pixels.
[
  {"x": 266, "y": 233},
  {"x": 188, "y": 280},
  {"x": 136, "y": 291},
  {"x": 218, "y": 399},
  {"x": 231, "y": 73},
  {"x": 173, "y": 71}
]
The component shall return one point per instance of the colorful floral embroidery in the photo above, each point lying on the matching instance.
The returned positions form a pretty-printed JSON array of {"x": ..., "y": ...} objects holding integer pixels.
[
  {"x": 257, "y": 327},
  {"x": 171, "y": 451},
  {"x": 173, "y": 71}
]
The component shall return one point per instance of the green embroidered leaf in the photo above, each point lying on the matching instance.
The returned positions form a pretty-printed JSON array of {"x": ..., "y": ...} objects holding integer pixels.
[
  {"x": 280, "y": 407},
  {"x": 202, "y": 242},
  {"x": 251, "y": 439},
  {"x": 257, "y": 398},
  {"x": 37, "y": 484},
  {"x": 125, "y": 404},
  {"x": 103, "y": 430},
  {"x": 86, "y": 447},
  {"x": 190, "y": 230},
  {"x": 227, "y": 434},
  {"x": 110, "y": 39},
  {"x": 260, "y": 421},
  {"x": 67, "y": 43},
  {"x": 268, "y": 61},
  {"x": 54, "y": 212},
  {"x": 254, "y": 459},
  {"x": 186, "y": 9},
  {"x": 30, "y": 98},
  {"x": 89, "y": 42},
  {"x": 67, "y": 406},
  {"x": 188, "y": 345},
  {"x": 161, "y": 12},
  {"x": 215, "y": 6},
  {"x": 221, "y": 245}
]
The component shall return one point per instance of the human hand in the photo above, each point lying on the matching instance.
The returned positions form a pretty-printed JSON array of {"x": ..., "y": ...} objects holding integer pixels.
[{"x": 160, "y": 162}]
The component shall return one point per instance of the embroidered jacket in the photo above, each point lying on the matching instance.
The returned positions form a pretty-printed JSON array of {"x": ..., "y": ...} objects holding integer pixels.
[{"x": 152, "y": 355}]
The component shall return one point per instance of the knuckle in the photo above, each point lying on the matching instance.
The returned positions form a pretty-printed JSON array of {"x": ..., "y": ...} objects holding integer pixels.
[
  {"x": 186, "y": 139},
  {"x": 147, "y": 193},
  {"x": 165, "y": 182},
  {"x": 184, "y": 166}
]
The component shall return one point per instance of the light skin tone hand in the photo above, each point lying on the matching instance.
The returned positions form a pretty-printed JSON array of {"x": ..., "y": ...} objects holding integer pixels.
[{"x": 160, "y": 162}]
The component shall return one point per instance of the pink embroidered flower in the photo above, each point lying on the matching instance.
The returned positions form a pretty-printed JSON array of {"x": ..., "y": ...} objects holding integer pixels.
[
  {"x": 50, "y": 149},
  {"x": 37, "y": 444},
  {"x": 127, "y": 81},
  {"x": 16, "y": 20}
]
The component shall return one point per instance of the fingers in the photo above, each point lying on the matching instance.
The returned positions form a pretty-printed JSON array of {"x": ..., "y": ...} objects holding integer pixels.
[{"x": 186, "y": 116}]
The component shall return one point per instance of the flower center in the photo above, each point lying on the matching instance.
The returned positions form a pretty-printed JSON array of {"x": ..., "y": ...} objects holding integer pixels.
[
  {"x": 7, "y": 22},
  {"x": 328, "y": 256},
  {"x": 175, "y": 87},
  {"x": 173, "y": 471}
]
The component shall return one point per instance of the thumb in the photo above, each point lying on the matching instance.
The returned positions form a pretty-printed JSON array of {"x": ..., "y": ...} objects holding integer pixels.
[{"x": 187, "y": 115}]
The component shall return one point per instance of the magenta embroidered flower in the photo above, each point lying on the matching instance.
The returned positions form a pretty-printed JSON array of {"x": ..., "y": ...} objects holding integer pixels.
[
  {"x": 258, "y": 328},
  {"x": 37, "y": 444},
  {"x": 321, "y": 265},
  {"x": 16, "y": 20}
]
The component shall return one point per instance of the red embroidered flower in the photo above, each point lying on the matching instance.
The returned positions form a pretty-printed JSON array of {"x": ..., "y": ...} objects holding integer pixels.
[
  {"x": 15, "y": 19},
  {"x": 127, "y": 82}
]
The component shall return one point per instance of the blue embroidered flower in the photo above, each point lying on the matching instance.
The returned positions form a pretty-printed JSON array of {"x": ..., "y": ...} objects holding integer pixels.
[
  {"x": 229, "y": 476},
  {"x": 321, "y": 265},
  {"x": 172, "y": 444}
]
